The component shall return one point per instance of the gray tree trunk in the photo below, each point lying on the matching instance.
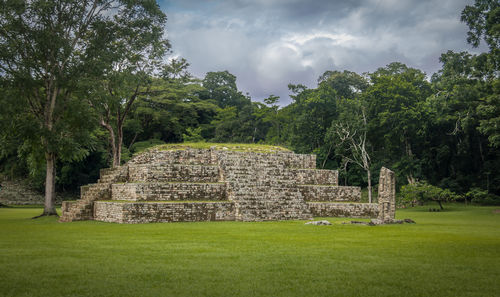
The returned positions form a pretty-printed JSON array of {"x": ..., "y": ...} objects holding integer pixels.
[
  {"x": 50, "y": 185},
  {"x": 369, "y": 176}
]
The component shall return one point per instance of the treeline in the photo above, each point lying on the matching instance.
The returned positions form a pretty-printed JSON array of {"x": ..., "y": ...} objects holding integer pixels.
[{"x": 112, "y": 103}]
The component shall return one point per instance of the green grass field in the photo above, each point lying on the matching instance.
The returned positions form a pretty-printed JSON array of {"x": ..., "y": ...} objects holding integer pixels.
[{"x": 451, "y": 253}]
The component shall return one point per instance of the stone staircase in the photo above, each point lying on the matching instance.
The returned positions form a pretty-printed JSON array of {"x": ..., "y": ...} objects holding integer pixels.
[
  {"x": 82, "y": 209},
  {"x": 262, "y": 187},
  {"x": 168, "y": 186}
]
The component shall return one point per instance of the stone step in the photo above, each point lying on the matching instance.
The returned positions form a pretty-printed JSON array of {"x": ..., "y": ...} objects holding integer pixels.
[
  {"x": 351, "y": 210},
  {"x": 315, "y": 176},
  {"x": 157, "y": 191},
  {"x": 173, "y": 172},
  {"x": 184, "y": 156},
  {"x": 82, "y": 209},
  {"x": 254, "y": 159},
  {"x": 330, "y": 193},
  {"x": 155, "y": 212}
]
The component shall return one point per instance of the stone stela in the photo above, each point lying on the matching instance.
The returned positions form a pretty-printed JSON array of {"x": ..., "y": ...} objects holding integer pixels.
[
  {"x": 386, "y": 195},
  {"x": 190, "y": 185}
]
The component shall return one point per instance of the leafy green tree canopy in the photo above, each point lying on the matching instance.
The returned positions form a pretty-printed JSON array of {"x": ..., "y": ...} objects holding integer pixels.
[
  {"x": 47, "y": 47},
  {"x": 483, "y": 19}
]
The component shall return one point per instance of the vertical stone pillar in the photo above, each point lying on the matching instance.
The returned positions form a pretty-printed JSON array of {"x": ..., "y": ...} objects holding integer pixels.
[{"x": 386, "y": 195}]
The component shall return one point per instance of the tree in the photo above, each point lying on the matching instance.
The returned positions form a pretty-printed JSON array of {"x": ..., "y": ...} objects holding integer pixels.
[
  {"x": 272, "y": 115},
  {"x": 221, "y": 87},
  {"x": 314, "y": 109},
  {"x": 225, "y": 123},
  {"x": 393, "y": 101},
  {"x": 423, "y": 192},
  {"x": 348, "y": 134},
  {"x": 483, "y": 20},
  {"x": 138, "y": 47},
  {"x": 171, "y": 106},
  {"x": 46, "y": 47},
  {"x": 455, "y": 150},
  {"x": 489, "y": 111},
  {"x": 176, "y": 70}
]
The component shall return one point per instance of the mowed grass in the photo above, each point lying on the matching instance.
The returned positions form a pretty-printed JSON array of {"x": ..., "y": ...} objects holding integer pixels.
[{"x": 451, "y": 253}]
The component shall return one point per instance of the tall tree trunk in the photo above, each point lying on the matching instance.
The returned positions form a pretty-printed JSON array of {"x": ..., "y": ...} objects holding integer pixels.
[
  {"x": 119, "y": 142},
  {"x": 50, "y": 185},
  {"x": 440, "y": 205},
  {"x": 327, "y": 155},
  {"x": 409, "y": 176},
  {"x": 369, "y": 176},
  {"x": 133, "y": 140},
  {"x": 49, "y": 208},
  {"x": 112, "y": 140}
]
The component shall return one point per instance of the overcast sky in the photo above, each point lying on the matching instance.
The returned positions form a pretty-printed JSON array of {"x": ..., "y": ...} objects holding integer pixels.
[{"x": 268, "y": 44}]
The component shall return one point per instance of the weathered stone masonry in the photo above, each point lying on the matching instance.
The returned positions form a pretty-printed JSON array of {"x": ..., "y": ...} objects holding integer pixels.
[{"x": 211, "y": 185}]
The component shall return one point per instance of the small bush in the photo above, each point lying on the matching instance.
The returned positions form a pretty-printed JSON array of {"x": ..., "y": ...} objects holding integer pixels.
[
  {"x": 422, "y": 192},
  {"x": 193, "y": 135},
  {"x": 479, "y": 196}
]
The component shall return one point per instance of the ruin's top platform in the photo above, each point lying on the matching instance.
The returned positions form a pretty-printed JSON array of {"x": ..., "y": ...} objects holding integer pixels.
[{"x": 235, "y": 147}]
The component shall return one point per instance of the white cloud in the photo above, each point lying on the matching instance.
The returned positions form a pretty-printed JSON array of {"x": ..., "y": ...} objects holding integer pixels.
[{"x": 268, "y": 44}]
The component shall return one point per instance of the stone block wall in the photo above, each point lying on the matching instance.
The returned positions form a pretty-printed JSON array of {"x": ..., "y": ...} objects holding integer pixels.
[
  {"x": 158, "y": 212},
  {"x": 330, "y": 193},
  {"x": 66, "y": 206},
  {"x": 111, "y": 212},
  {"x": 167, "y": 172},
  {"x": 19, "y": 192},
  {"x": 275, "y": 160},
  {"x": 347, "y": 210},
  {"x": 262, "y": 186},
  {"x": 316, "y": 176},
  {"x": 184, "y": 156},
  {"x": 169, "y": 191}
]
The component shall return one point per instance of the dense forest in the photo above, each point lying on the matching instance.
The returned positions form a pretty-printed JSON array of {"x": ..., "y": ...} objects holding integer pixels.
[{"x": 86, "y": 85}]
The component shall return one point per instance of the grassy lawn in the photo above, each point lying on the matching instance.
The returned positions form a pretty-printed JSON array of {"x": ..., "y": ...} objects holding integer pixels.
[{"x": 451, "y": 253}]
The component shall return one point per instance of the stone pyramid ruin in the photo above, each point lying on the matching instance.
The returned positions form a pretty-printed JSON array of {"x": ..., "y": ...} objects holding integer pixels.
[{"x": 186, "y": 185}]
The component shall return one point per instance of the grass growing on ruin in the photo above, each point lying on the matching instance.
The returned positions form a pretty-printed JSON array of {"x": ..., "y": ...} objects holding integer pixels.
[
  {"x": 450, "y": 253},
  {"x": 239, "y": 147},
  {"x": 164, "y": 201}
]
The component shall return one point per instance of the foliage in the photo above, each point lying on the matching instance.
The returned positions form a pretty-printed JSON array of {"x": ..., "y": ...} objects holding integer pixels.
[
  {"x": 48, "y": 49},
  {"x": 193, "y": 135},
  {"x": 489, "y": 111},
  {"x": 393, "y": 105},
  {"x": 482, "y": 197},
  {"x": 221, "y": 87},
  {"x": 483, "y": 19},
  {"x": 143, "y": 145},
  {"x": 138, "y": 47},
  {"x": 171, "y": 107},
  {"x": 423, "y": 192},
  {"x": 348, "y": 135}
]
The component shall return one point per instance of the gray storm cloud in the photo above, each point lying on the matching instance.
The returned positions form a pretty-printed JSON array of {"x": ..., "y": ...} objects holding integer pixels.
[{"x": 268, "y": 44}]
